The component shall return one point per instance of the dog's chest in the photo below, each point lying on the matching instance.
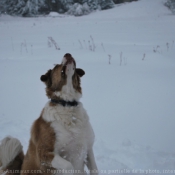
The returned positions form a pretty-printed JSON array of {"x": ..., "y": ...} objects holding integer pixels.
[{"x": 74, "y": 134}]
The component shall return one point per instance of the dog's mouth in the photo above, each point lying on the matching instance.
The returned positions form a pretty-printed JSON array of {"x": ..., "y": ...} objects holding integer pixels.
[{"x": 68, "y": 64}]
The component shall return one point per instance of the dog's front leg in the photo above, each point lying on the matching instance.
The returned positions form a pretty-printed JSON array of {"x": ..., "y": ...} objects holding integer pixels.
[
  {"x": 91, "y": 164},
  {"x": 52, "y": 160},
  {"x": 60, "y": 163}
]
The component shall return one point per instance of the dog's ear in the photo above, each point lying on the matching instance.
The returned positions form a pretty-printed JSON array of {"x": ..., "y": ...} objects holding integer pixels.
[
  {"x": 45, "y": 77},
  {"x": 80, "y": 72}
]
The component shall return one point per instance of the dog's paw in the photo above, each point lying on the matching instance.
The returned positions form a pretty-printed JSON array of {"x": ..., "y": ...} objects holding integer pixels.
[{"x": 60, "y": 163}]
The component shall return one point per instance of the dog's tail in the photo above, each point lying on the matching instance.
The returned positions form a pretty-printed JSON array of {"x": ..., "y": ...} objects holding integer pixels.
[{"x": 11, "y": 156}]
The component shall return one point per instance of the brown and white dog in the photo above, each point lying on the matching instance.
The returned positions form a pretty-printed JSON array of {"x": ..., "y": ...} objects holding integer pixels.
[{"x": 62, "y": 137}]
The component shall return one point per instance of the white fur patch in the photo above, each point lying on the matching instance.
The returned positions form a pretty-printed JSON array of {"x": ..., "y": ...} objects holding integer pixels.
[
  {"x": 74, "y": 134},
  {"x": 69, "y": 117},
  {"x": 64, "y": 60},
  {"x": 68, "y": 93},
  {"x": 9, "y": 149},
  {"x": 60, "y": 163}
]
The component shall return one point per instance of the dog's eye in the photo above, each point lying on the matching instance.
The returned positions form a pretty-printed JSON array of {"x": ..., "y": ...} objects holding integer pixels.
[{"x": 62, "y": 73}]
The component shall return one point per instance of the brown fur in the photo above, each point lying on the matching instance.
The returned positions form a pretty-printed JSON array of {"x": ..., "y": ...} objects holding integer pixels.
[{"x": 41, "y": 147}]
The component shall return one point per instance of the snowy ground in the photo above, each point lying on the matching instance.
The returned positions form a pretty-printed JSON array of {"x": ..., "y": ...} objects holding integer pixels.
[{"x": 131, "y": 101}]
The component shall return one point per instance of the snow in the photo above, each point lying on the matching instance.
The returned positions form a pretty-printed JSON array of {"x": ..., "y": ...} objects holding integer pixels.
[
  {"x": 130, "y": 101},
  {"x": 55, "y": 14}
]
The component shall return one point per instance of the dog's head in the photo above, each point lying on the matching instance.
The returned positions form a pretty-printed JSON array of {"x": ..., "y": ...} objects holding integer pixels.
[{"x": 63, "y": 81}]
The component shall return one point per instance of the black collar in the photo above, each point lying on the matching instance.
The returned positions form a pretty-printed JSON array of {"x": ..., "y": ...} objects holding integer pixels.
[{"x": 65, "y": 103}]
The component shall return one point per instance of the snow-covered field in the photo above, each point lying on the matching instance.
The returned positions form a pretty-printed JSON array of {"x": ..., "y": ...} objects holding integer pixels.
[{"x": 131, "y": 101}]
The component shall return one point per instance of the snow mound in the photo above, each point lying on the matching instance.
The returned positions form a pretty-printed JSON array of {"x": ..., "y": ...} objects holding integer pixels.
[{"x": 55, "y": 14}]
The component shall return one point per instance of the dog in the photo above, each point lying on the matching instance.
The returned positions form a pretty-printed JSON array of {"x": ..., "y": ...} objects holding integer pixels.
[{"x": 62, "y": 138}]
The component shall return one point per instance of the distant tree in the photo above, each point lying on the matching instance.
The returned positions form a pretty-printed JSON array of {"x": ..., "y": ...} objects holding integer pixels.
[
  {"x": 79, "y": 10},
  {"x": 171, "y": 5},
  {"x": 106, "y": 4},
  {"x": 122, "y": 1},
  {"x": 79, "y": 7},
  {"x": 23, "y": 7},
  {"x": 37, "y": 7},
  {"x": 118, "y": 1}
]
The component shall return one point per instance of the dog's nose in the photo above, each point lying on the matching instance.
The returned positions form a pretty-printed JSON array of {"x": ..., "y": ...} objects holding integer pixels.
[
  {"x": 67, "y": 55},
  {"x": 68, "y": 59}
]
